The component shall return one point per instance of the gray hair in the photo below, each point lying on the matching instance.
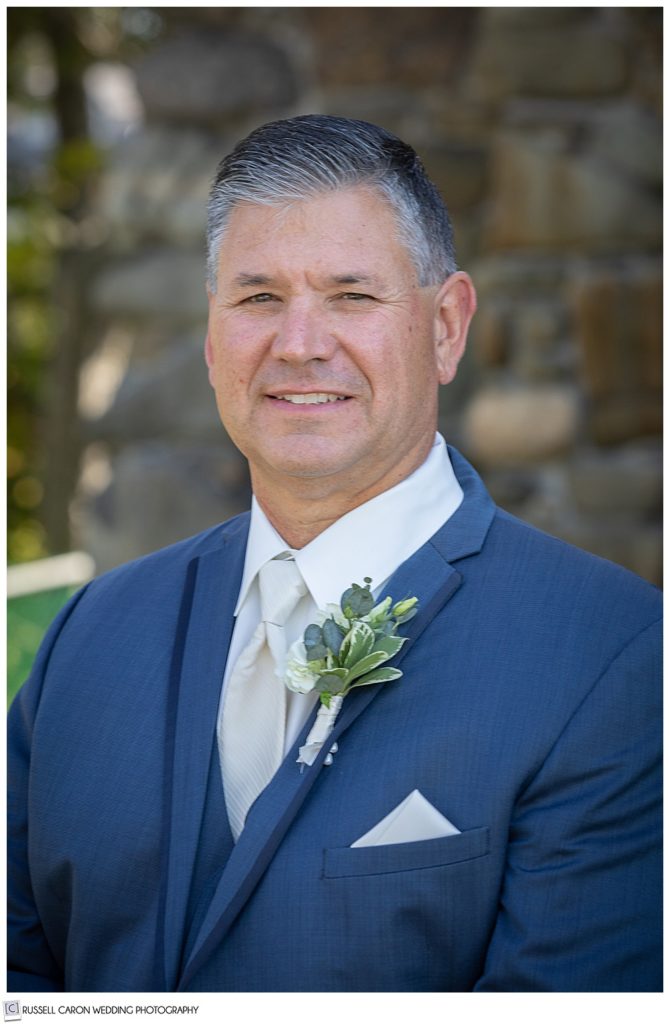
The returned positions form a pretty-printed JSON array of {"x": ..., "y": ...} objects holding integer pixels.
[{"x": 301, "y": 157}]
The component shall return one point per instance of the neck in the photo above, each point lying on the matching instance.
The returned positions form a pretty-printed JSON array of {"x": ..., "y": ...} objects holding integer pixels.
[
  {"x": 302, "y": 508},
  {"x": 299, "y": 521}
]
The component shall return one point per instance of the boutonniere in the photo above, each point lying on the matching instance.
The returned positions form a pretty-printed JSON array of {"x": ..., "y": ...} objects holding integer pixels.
[{"x": 346, "y": 648}]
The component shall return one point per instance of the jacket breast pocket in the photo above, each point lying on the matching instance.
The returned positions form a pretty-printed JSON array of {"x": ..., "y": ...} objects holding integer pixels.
[{"x": 343, "y": 862}]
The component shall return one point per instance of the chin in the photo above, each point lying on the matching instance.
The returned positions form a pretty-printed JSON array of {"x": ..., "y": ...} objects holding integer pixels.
[
  {"x": 308, "y": 462},
  {"x": 306, "y": 469}
]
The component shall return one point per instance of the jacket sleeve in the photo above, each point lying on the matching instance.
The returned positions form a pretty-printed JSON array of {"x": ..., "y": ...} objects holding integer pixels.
[
  {"x": 581, "y": 901},
  {"x": 33, "y": 966}
]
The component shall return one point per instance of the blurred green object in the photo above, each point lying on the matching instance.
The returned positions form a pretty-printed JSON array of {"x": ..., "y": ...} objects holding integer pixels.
[
  {"x": 28, "y": 618},
  {"x": 36, "y": 591}
]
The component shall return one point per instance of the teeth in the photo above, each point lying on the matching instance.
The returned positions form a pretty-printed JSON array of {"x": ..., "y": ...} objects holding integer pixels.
[{"x": 316, "y": 398}]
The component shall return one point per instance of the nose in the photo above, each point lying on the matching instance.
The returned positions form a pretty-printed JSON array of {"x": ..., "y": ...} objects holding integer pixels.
[{"x": 303, "y": 335}]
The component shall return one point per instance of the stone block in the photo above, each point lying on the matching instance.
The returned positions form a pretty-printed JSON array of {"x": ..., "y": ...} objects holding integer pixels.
[
  {"x": 455, "y": 397},
  {"x": 202, "y": 75},
  {"x": 395, "y": 108},
  {"x": 166, "y": 284},
  {"x": 548, "y": 197},
  {"x": 630, "y": 137},
  {"x": 456, "y": 117},
  {"x": 541, "y": 345},
  {"x": 646, "y": 42},
  {"x": 400, "y": 45},
  {"x": 617, "y": 418},
  {"x": 541, "y": 59},
  {"x": 520, "y": 424},
  {"x": 156, "y": 184},
  {"x": 513, "y": 276},
  {"x": 618, "y": 321},
  {"x": 512, "y": 488},
  {"x": 468, "y": 228},
  {"x": 159, "y": 494},
  {"x": 489, "y": 334},
  {"x": 540, "y": 323},
  {"x": 623, "y": 482},
  {"x": 459, "y": 171},
  {"x": 636, "y": 547},
  {"x": 496, "y": 19},
  {"x": 168, "y": 397}
]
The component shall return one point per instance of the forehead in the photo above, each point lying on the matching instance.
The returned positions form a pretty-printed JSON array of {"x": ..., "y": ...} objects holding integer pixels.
[{"x": 329, "y": 228}]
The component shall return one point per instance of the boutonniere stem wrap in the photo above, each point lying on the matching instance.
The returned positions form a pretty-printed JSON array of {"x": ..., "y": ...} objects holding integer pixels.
[{"x": 346, "y": 648}]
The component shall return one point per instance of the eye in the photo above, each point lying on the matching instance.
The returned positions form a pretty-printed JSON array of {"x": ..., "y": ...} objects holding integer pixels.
[
  {"x": 356, "y": 296},
  {"x": 261, "y": 297}
]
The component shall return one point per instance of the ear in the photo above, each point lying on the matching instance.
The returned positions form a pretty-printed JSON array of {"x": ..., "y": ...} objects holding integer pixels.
[
  {"x": 455, "y": 305},
  {"x": 209, "y": 358},
  {"x": 209, "y": 347}
]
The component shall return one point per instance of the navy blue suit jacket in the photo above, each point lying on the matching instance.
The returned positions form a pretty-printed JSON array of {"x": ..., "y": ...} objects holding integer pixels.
[{"x": 528, "y": 714}]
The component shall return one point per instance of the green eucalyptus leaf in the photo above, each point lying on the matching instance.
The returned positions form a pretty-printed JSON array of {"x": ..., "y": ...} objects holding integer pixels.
[
  {"x": 332, "y": 635},
  {"x": 362, "y": 602},
  {"x": 344, "y": 601},
  {"x": 313, "y": 636},
  {"x": 357, "y": 600},
  {"x": 332, "y": 681},
  {"x": 316, "y": 653}
]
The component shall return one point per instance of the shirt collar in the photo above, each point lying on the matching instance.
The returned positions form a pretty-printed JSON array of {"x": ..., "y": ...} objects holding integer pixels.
[
  {"x": 263, "y": 543},
  {"x": 371, "y": 540}
]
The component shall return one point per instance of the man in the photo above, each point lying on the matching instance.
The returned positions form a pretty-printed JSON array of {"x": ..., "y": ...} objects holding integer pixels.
[{"x": 149, "y": 849}]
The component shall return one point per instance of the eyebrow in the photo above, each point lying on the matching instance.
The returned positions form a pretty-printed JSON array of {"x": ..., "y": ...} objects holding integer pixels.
[
  {"x": 252, "y": 280},
  {"x": 354, "y": 279},
  {"x": 248, "y": 280}
]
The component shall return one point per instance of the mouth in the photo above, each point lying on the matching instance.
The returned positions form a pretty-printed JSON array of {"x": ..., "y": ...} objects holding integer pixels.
[{"x": 310, "y": 398}]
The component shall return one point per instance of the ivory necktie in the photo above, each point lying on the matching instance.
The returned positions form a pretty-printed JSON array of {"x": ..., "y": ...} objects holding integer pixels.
[{"x": 254, "y": 712}]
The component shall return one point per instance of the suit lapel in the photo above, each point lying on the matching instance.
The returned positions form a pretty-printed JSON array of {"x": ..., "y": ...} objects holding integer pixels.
[
  {"x": 434, "y": 582},
  {"x": 428, "y": 575},
  {"x": 199, "y": 658}
]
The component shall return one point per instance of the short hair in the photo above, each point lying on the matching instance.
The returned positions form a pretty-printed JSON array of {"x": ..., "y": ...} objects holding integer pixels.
[{"x": 302, "y": 157}]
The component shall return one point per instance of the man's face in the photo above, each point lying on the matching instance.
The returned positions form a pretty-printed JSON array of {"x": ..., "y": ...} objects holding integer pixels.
[{"x": 323, "y": 350}]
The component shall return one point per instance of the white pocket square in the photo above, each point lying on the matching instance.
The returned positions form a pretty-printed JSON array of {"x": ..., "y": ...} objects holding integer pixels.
[{"x": 411, "y": 821}]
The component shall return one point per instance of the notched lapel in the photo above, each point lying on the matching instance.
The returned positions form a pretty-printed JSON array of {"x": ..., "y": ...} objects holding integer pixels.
[
  {"x": 200, "y": 651},
  {"x": 428, "y": 575},
  {"x": 433, "y": 581},
  {"x": 425, "y": 575}
]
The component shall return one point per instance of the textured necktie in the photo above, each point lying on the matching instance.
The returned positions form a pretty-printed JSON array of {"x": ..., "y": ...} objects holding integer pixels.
[{"x": 254, "y": 713}]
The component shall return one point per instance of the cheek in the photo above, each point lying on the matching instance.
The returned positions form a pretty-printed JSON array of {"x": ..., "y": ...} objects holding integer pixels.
[
  {"x": 229, "y": 380},
  {"x": 231, "y": 384},
  {"x": 235, "y": 355},
  {"x": 404, "y": 366}
]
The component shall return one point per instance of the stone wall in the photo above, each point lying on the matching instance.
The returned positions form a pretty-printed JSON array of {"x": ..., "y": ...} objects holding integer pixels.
[{"x": 541, "y": 126}]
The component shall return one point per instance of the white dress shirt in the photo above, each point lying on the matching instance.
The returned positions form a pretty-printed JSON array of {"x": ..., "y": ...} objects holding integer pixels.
[{"x": 371, "y": 540}]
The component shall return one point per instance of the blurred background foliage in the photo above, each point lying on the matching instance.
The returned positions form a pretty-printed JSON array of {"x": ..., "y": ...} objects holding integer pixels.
[{"x": 56, "y": 149}]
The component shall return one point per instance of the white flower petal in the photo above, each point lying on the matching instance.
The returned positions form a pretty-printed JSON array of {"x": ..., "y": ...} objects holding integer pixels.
[
  {"x": 299, "y": 677},
  {"x": 332, "y": 611}
]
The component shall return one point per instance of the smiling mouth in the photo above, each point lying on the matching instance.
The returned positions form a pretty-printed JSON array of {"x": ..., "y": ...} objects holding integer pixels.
[{"x": 313, "y": 398}]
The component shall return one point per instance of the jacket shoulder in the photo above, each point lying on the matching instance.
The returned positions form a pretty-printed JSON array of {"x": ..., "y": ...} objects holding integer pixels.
[
  {"x": 175, "y": 557},
  {"x": 149, "y": 587},
  {"x": 529, "y": 556}
]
